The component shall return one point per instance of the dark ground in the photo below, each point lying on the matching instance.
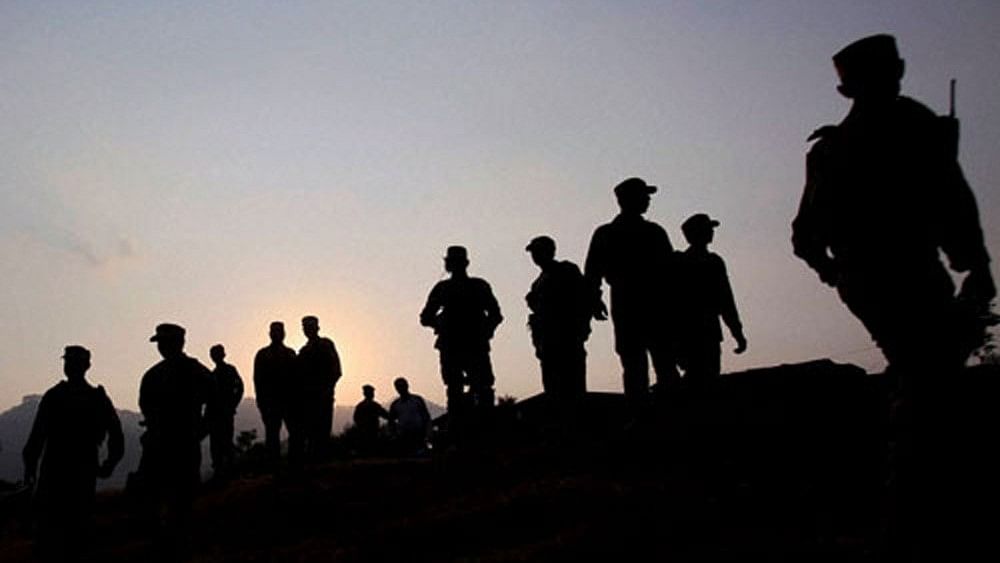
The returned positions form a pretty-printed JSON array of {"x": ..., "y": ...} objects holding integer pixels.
[{"x": 779, "y": 464}]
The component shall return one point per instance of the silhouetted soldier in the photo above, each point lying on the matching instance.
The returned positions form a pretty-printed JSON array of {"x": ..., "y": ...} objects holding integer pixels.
[
  {"x": 884, "y": 194},
  {"x": 634, "y": 255},
  {"x": 72, "y": 421},
  {"x": 703, "y": 295},
  {"x": 279, "y": 393},
  {"x": 561, "y": 305},
  {"x": 221, "y": 411},
  {"x": 409, "y": 419},
  {"x": 319, "y": 368},
  {"x": 367, "y": 415},
  {"x": 464, "y": 314},
  {"x": 172, "y": 397}
]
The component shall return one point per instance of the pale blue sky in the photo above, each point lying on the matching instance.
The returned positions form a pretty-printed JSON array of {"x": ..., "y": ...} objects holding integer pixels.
[{"x": 226, "y": 164}]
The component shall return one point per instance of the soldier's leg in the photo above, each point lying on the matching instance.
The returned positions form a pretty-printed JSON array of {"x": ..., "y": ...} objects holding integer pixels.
[
  {"x": 453, "y": 375},
  {"x": 631, "y": 349},
  {"x": 481, "y": 379},
  {"x": 272, "y": 434}
]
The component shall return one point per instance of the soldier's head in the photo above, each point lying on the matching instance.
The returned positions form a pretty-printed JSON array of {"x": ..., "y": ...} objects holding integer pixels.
[
  {"x": 277, "y": 332},
  {"x": 169, "y": 339},
  {"x": 633, "y": 195},
  {"x": 456, "y": 259},
  {"x": 310, "y": 326},
  {"x": 76, "y": 362},
  {"x": 368, "y": 391},
  {"x": 402, "y": 386},
  {"x": 870, "y": 68},
  {"x": 543, "y": 250},
  {"x": 699, "y": 229},
  {"x": 217, "y": 353}
]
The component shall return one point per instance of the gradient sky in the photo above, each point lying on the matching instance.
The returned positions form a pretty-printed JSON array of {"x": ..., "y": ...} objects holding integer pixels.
[{"x": 225, "y": 164}]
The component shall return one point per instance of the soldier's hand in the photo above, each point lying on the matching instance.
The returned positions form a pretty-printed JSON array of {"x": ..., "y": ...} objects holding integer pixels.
[
  {"x": 601, "y": 311},
  {"x": 978, "y": 287},
  {"x": 741, "y": 344},
  {"x": 29, "y": 477},
  {"x": 105, "y": 470}
]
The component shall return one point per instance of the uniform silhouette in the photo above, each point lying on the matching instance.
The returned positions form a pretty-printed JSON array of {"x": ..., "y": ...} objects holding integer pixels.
[
  {"x": 221, "y": 410},
  {"x": 277, "y": 384},
  {"x": 72, "y": 421},
  {"x": 464, "y": 314},
  {"x": 634, "y": 256},
  {"x": 172, "y": 397},
  {"x": 319, "y": 370},
  {"x": 409, "y": 419},
  {"x": 884, "y": 196},
  {"x": 703, "y": 295},
  {"x": 367, "y": 416},
  {"x": 561, "y": 305}
]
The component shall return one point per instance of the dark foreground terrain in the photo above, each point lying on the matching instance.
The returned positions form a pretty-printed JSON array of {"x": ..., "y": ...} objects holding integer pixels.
[{"x": 779, "y": 464}]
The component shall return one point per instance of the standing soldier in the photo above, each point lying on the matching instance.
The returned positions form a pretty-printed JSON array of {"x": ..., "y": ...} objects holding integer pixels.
[
  {"x": 704, "y": 294},
  {"x": 276, "y": 384},
  {"x": 464, "y": 314},
  {"x": 72, "y": 421},
  {"x": 367, "y": 416},
  {"x": 884, "y": 195},
  {"x": 634, "y": 256},
  {"x": 561, "y": 305},
  {"x": 319, "y": 368},
  {"x": 221, "y": 411},
  {"x": 172, "y": 397}
]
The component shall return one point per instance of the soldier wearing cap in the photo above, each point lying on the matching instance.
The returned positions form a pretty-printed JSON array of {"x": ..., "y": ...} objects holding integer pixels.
[
  {"x": 884, "y": 197},
  {"x": 561, "y": 305},
  {"x": 221, "y": 411},
  {"x": 704, "y": 294},
  {"x": 172, "y": 398},
  {"x": 278, "y": 388},
  {"x": 464, "y": 314},
  {"x": 634, "y": 256},
  {"x": 72, "y": 421},
  {"x": 367, "y": 416},
  {"x": 319, "y": 371}
]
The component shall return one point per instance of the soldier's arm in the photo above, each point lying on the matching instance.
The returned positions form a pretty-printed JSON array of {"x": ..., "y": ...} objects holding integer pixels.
[
  {"x": 259, "y": 386},
  {"x": 116, "y": 438},
  {"x": 36, "y": 441},
  {"x": 728, "y": 311},
  {"x": 335, "y": 368},
  {"x": 962, "y": 236},
  {"x": 594, "y": 270},
  {"x": 809, "y": 237},
  {"x": 492, "y": 308},
  {"x": 429, "y": 314},
  {"x": 238, "y": 388}
]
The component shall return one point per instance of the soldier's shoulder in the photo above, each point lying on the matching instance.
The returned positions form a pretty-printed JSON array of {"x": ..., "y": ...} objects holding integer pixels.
[{"x": 914, "y": 109}]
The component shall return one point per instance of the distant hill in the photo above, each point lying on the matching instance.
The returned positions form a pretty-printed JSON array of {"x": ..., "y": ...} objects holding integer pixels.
[{"x": 15, "y": 424}]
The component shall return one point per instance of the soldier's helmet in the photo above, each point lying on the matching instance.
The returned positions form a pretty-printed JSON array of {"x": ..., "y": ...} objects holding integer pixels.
[{"x": 872, "y": 58}]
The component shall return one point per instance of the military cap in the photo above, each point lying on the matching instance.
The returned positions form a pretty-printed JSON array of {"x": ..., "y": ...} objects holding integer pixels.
[
  {"x": 167, "y": 331},
  {"x": 456, "y": 253},
  {"x": 76, "y": 352},
  {"x": 631, "y": 186},
  {"x": 542, "y": 242},
  {"x": 367, "y": 387},
  {"x": 872, "y": 55},
  {"x": 698, "y": 221},
  {"x": 310, "y": 320}
]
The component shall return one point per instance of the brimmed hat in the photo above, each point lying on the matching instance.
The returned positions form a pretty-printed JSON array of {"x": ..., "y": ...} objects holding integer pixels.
[
  {"x": 631, "y": 186},
  {"x": 167, "y": 331},
  {"x": 542, "y": 242}
]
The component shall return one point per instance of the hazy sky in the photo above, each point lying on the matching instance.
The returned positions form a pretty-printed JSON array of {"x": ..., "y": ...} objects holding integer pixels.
[{"x": 225, "y": 164}]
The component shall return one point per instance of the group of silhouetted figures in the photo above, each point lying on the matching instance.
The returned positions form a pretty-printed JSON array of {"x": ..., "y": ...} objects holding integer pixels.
[{"x": 884, "y": 195}]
